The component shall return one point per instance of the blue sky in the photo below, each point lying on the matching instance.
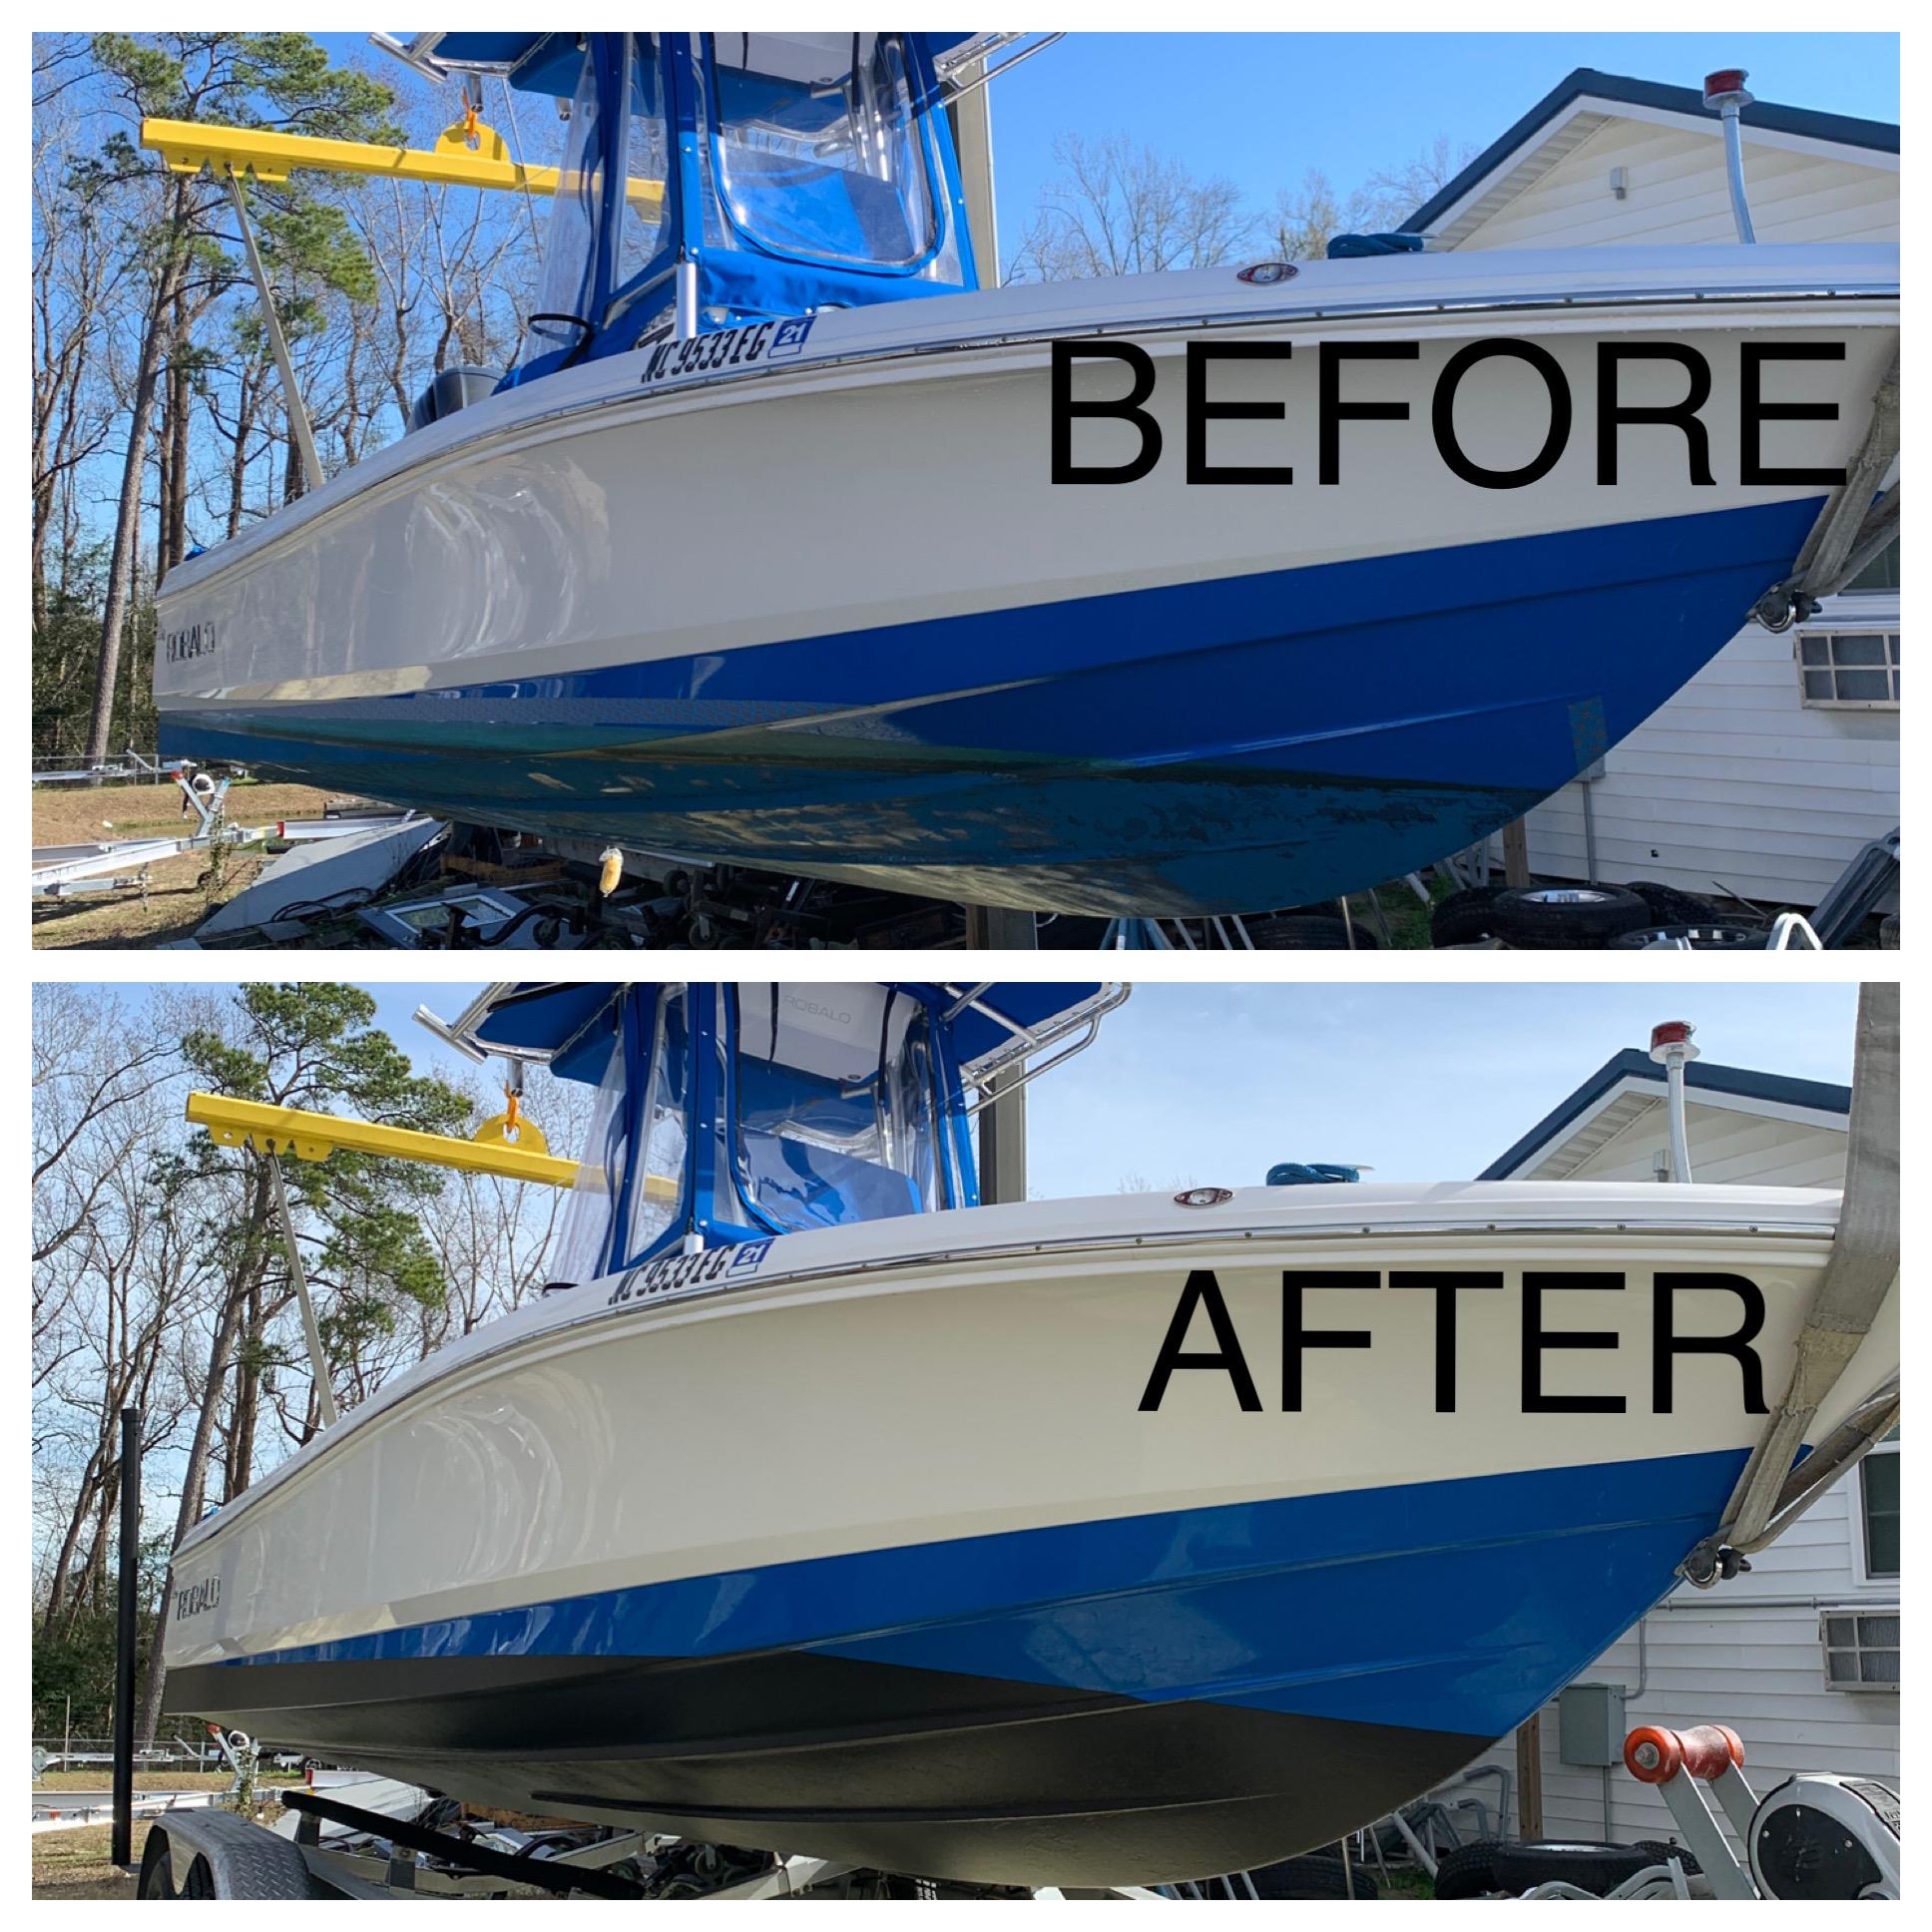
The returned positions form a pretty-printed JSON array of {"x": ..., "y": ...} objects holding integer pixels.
[
  {"x": 1263, "y": 108},
  {"x": 1215, "y": 1083}
]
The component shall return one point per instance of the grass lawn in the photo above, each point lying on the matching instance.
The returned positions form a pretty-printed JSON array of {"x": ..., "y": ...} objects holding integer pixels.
[
  {"x": 75, "y": 1864},
  {"x": 69, "y": 814},
  {"x": 1407, "y": 916},
  {"x": 101, "y": 1779}
]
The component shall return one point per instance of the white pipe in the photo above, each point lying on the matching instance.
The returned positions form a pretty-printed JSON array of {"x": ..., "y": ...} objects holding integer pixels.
[
  {"x": 1672, "y": 1049},
  {"x": 1725, "y": 92},
  {"x": 1680, "y": 1141},
  {"x": 687, "y": 281},
  {"x": 1734, "y": 171}
]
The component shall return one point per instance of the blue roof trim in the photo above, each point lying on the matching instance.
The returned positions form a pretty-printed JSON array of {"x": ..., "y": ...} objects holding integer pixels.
[
  {"x": 1701, "y": 1075},
  {"x": 1879, "y": 136}
]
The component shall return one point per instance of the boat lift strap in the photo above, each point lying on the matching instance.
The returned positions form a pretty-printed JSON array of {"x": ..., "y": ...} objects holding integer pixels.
[
  {"x": 1771, "y": 1493},
  {"x": 1860, "y": 521}
]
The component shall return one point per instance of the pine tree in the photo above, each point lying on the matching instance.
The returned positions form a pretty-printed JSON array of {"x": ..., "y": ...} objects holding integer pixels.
[
  {"x": 310, "y": 1046},
  {"x": 282, "y": 81}
]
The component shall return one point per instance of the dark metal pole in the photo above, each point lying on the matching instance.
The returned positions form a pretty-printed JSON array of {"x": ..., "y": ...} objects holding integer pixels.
[
  {"x": 1003, "y": 1147},
  {"x": 123, "y": 1848},
  {"x": 1000, "y": 929}
]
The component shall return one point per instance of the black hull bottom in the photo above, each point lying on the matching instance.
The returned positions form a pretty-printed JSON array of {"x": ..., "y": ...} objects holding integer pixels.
[{"x": 915, "y": 1771}]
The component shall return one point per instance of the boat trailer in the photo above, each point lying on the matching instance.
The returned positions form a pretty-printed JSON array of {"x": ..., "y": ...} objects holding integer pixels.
[
  {"x": 118, "y": 864},
  {"x": 1816, "y": 1836},
  {"x": 439, "y": 1854}
]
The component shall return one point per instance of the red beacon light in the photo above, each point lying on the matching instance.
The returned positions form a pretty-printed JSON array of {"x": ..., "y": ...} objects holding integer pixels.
[
  {"x": 1726, "y": 86},
  {"x": 1672, "y": 1032}
]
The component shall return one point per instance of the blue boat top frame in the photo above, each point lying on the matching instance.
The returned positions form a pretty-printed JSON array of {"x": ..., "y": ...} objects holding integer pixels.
[
  {"x": 736, "y": 1113},
  {"x": 798, "y": 172}
]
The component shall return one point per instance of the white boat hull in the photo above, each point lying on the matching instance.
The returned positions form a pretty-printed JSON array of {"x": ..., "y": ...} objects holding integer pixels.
[
  {"x": 897, "y": 1513},
  {"x": 833, "y": 615}
]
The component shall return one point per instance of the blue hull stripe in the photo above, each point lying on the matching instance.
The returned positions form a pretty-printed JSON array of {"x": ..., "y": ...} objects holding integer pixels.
[
  {"x": 1455, "y": 1605},
  {"x": 1254, "y": 741}
]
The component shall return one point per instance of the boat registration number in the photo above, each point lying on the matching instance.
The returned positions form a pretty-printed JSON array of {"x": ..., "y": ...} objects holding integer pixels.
[
  {"x": 673, "y": 1275},
  {"x": 743, "y": 348}
]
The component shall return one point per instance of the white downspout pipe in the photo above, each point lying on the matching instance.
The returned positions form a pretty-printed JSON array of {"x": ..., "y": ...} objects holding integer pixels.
[
  {"x": 1724, "y": 94},
  {"x": 1670, "y": 1048}
]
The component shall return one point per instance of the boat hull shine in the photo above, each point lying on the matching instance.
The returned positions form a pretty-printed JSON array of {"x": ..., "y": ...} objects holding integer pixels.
[
  {"x": 879, "y": 1555},
  {"x": 834, "y": 617}
]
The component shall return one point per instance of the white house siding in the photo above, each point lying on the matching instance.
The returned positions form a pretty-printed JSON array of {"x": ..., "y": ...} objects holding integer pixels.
[
  {"x": 1737, "y": 783},
  {"x": 1734, "y": 780},
  {"x": 1746, "y": 1654},
  {"x": 1727, "y": 1148},
  {"x": 1676, "y": 192}
]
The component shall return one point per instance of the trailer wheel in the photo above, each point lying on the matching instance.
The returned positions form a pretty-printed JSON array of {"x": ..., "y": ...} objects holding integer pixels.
[
  {"x": 156, "y": 1878},
  {"x": 158, "y": 1870},
  {"x": 1551, "y": 918},
  {"x": 1662, "y": 1850},
  {"x": 1315, "y": 1875},
  {"x": 1301, "y": 932},
  {"x": 1591, "y": 1867},
  {"x": 218, "y": 1854},
  {"x": 1469, "y": 1871},
  {"x": 1465, "y": 916},
  {"x": 1670, "y": 908},
  {"x": 1701, "y": 939}
]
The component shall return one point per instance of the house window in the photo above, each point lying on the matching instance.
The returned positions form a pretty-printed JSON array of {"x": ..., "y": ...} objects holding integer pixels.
[
  {"x": 1878, "y": 1498},
  {"x": 1881, "y": 573},
  {"x": 1848, "y": 669},
  {"x": 1860, "y": 1649}
]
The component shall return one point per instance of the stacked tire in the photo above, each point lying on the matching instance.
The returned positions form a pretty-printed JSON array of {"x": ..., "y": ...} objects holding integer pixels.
[
  {"x": 1316, "y": 1874},
  {"x": 1564, "y": 917},
  {"x": 1495, "y": 1866}
]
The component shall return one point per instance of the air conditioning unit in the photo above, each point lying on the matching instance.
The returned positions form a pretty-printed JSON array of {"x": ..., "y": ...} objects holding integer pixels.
[{"x": 1860, "y": 1644}]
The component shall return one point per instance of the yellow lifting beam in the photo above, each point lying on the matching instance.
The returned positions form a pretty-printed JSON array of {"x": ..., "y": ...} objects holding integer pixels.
[
  {"x": 314, "y": 1136},
  {"x": 190, "y": 146}
]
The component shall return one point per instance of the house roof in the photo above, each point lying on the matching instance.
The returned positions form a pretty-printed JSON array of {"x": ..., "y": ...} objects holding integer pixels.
[
  {"x": 1880, "y": 137},
  {"x": 1711, "y": 1084}
]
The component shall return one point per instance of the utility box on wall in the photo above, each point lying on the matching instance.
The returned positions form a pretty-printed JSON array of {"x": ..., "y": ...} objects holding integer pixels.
[{"x": 1589, "y": 1720}]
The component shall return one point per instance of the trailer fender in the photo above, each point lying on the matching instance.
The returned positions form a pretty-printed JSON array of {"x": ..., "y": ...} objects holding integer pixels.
[{"x": 217, "y": 1854}]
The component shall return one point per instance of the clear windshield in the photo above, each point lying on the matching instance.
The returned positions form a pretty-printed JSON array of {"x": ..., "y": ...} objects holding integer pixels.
[
  {"x": 835, "y": 1105},
  {"x": 587, "y": 1244},
  {"x": 582, "y": 1253},
  {"x": 643, "y": 221},
  {"x": 658, "y": 1188},
  {"x": 819, "y": 153},
  {"x": 569, "y": 269}
]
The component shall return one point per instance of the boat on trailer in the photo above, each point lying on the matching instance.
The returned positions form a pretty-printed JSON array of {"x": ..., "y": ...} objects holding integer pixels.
[
  {"x": 820, "y": 1508},
  {"x": 787, "y": 544}
]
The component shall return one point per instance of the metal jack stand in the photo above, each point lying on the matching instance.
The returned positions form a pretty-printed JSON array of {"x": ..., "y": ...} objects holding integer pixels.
[{"x": 1224, "y": 932}]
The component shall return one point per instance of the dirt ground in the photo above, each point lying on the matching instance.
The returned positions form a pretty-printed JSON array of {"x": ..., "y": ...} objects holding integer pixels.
[
  {"x": 175, "y": 900},
  {"x": 73, "y": 1864}
]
